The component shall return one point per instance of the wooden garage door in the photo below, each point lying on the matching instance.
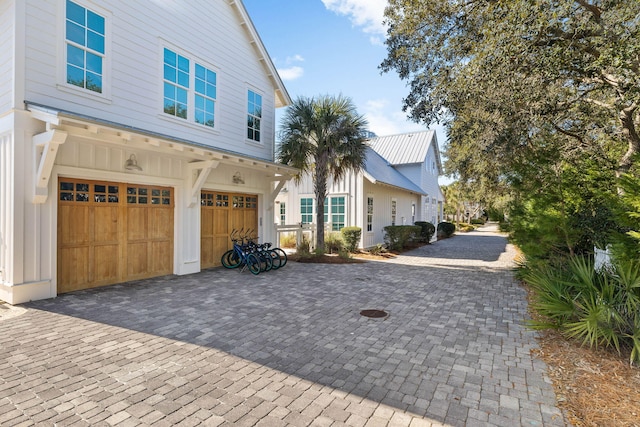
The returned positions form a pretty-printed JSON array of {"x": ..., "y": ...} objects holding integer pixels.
[
  {"x": 221, "y": 213},
  {"x": 112, "y": 232}
]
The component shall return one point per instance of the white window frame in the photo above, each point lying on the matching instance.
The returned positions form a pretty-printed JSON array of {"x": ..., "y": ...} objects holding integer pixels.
[
  {"x": 394, "y": 211},
  {"x": 191, "y": 92},
  {"x": 246, "y": 114},
  {"x": 369, "y": 219},
  {"x": 61, "y": 73}
]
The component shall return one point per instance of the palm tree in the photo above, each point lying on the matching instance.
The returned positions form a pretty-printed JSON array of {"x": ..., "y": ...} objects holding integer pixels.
[{"x": 323, "y": 136}]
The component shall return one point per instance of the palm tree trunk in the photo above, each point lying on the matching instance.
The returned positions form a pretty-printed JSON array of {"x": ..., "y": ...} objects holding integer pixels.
[{"x": 320, "y": 188}]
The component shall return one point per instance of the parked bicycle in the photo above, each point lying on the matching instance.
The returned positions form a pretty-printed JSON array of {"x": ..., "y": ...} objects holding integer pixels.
[{"x": 244, "y": 243}]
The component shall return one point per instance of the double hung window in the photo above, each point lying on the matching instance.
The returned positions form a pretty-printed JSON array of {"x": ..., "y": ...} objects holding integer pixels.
[
  {"x": 85, "y": 47},
  {"x": 189, "y": 89},
  {"x": 254, "y": 115}
]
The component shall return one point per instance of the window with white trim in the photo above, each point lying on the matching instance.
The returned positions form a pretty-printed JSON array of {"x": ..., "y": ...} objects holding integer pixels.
[
  {"x": 413, "y": 213},
  {"x": 254, "y": 115},
  {"x": 185, "y": 80},
  {"x": 394, "y": 210},
  {"x": 283, "y": 213},
  {"x": 306, "y": 210},
  {"x": 85, "y": 41},
  {"x": 369, "y": 213},
  {"x": 337, "y": 209}
]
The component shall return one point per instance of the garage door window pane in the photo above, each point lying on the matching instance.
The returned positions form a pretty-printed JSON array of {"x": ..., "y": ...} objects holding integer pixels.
[
  {"x": 66, "y": 191},
  {"x": 113, "y": 194},
  {"x": 82, "y": 192},
  {"x": 222, "y": 200},
  {"x": 206, "y": 199}
]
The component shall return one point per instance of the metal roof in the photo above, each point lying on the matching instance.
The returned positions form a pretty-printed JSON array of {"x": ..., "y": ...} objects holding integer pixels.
[
  {"x": 379, "y": 171},
  {"x": 406, "y": 148}
]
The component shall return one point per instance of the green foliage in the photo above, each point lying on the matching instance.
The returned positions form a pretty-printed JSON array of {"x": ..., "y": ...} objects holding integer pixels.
[
  {"x": 397, "y": 236},
  {"x": 288, "y": 240},
  {"x": 626, "y": 244},
  {"x": 464, "y": 227},
  {"x": 427, "y": 230},
  {"x": 377, "y": 249},
  {"x": 599, "y": 308},
  {"x": 344, "y": 253},
  {"x": 351, "y": 237},
  {"x": 323, "y": 137},
  {"x": 477, "y": 221},
  {"x": 446, "y": 229},
  {"x": 304, "y": 248},
  {"x": 333, "y": 242}
]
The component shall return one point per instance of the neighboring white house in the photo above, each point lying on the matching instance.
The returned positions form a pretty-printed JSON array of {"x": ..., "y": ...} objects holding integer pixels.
[
  {"x": 399, "y": 186},
  {"x": 134, "y": 136}
]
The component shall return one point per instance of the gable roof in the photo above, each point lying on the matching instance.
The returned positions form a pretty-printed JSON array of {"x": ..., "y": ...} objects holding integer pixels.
[
  {"x": 282, "y": 96},
  {"x": 406, "y": 148},
  {"x": 378, "y": 170}
]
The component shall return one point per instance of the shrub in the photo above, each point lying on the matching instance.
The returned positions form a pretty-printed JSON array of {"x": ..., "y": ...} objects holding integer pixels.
[
  {"x": 345, "y": 254},
  {"x": 333, "y": 243},
  {"x": 599, "y": 308},
  {"x": 397, "y": 236},
  {"x": 427, "y": 230},
  {"x": 464, "y": 227},
  {"x": 351, "y": 237},
  {"x": 288, "y": 240},
  {"x": 446, "y": 229},
  {"x": 304, "y": 248},
  {"x": 377, "y": 249},
  {"x": 477, "y": 221}
]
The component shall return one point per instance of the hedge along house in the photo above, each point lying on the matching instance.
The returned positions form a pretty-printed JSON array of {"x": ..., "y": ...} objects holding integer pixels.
[
  {"x": 383, "y": 194},
  {"x": 130, "y": 150}
]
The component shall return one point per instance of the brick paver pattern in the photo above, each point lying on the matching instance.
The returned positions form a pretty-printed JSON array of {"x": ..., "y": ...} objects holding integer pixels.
[{"x": 288, "y": 347}]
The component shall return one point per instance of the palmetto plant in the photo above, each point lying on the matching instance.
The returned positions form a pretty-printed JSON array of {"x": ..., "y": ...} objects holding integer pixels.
[{"x": 599, "y": 308}]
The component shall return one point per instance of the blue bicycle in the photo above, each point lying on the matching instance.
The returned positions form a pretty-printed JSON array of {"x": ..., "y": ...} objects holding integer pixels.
[{"x": 239, "y": 257}]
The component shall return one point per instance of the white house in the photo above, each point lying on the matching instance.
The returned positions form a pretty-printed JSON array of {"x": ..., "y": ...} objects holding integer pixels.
[
  {"x": 399, "y": 186},
  {"x": 134, "y": 136}
]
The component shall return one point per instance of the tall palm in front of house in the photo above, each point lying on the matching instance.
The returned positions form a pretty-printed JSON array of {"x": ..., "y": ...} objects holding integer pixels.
[{"x": 323, "y": 136}]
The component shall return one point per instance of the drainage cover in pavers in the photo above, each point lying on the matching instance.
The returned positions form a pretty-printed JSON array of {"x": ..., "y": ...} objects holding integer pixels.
[{"x": 376, "y": 314}]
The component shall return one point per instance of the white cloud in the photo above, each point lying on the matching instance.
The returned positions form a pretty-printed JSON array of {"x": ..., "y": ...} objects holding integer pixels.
[
  {"x": 384, "y": 120},
  {"x": 291, "y": 73},
  {"x": 294, "y": 58},
  {"x": 367, "y": 14}
]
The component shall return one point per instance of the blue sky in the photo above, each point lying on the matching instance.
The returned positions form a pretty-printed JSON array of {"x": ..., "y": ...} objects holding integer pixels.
[{"x": 335, "y": 47}]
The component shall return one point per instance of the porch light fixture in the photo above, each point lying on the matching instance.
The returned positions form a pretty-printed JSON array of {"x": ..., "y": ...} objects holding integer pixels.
[{"x": 132, "y": 164}]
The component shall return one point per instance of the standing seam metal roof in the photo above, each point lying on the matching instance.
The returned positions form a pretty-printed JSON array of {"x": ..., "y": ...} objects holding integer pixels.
[
  {"x": 379, "y": 170},
  {"x": 406, "y": 148}
]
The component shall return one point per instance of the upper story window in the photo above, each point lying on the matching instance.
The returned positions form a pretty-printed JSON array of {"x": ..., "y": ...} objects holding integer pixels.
[
  {"x": 254, "y": 115},
  {"x": 205, "y": 98},
  {"x": 179, "y": 79},
  {"x": 85, "y": 47},
  {"x": 176, "y": 84}
]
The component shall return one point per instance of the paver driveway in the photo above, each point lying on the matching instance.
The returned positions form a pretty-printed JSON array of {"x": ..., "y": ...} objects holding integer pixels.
[{"x": 287, "y": 347}]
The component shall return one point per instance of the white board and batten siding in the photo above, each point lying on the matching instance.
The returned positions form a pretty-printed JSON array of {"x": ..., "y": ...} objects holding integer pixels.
[{"x": 382, "y": 216}]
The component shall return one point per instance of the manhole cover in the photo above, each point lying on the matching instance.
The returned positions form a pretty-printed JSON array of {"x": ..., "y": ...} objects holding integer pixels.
[{"x": 374, "y": 313}]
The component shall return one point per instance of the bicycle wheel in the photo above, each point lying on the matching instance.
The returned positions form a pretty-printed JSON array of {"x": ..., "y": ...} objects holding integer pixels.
[
  {"x": 275, "y": 259},
  {"x": 268, "y": 262},
  {"x": 253, "y": 263},
  {"x": 282, "y": 255},
  {"x": 230, "y": 259}
]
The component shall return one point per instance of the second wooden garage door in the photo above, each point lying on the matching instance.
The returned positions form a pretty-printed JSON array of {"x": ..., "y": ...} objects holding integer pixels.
[
  {"x": 221, "y": 213},
  {"x": 111, "y": 232}
]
